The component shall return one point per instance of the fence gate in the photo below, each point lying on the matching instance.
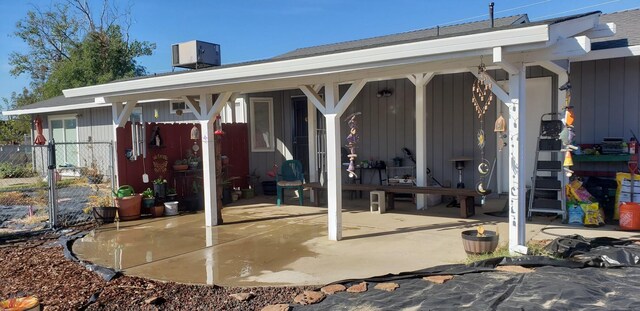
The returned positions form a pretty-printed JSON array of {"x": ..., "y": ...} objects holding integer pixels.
[{"x": 50, "y": 186}]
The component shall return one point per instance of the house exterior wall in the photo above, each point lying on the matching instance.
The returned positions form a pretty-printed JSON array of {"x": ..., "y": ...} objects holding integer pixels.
[
  {"x": 387, "y": 125},
  {"x": 605, "y": 95}
]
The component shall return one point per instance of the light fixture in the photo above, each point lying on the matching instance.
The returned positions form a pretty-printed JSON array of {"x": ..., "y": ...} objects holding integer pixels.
[{"x": 384, "y": 93}]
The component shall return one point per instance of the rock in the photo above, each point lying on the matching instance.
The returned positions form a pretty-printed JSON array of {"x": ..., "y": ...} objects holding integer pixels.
[
  {"x": 438, "y": 279},
  {"x": 309, "y": 297},
  {"x": 333, "y": 288},
  {"x": 387, "y": 286},
  {"x": 278, "y": 307},
  {"x": 358, "y": 288},
  {"x": 242, "y": 296},
  {"x": 514, "y": 269},
  {"x": 154, "y": 300}
]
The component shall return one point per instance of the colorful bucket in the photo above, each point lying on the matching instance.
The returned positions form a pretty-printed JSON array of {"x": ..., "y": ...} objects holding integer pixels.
[{"x": 630, "y": 216}]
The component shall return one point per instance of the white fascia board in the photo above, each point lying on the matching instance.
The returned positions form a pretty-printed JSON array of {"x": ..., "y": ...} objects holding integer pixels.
[
  {"x": 626, "y": 51},
  {"x": 602, "y": 31},
  {"x": 573, "y": 27},
  {"x": 18, "y": 112},
  {"x": 318, "y": 65}
]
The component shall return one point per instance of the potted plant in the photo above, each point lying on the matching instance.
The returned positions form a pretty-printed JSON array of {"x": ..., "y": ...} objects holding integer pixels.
[
  {"x": 159, "y": 187},
  {"x": 479, "y": 241},
  {"x": 180, "y": 165},
  {"x": 171, "y": 194},
  {"x": 100, "y": 206},
  {"x": 128, "y": 204},
  {"x": 192, "y": 160},
  {"x": 148, "y": 200}
]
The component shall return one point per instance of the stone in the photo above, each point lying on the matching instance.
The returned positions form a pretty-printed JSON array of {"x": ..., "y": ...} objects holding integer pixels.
[
  {"x": 358, "y": 288},
  {"x": 278, "y": 307},
  {"x": 438, "y": 279},
  {"x": 333, "y": 288},
  {"x": 387, "y": 286},
  {"x": 154, "y": 300},
  {"x": 309, "y": 297},
  {"x": 242, "y": 296},
  {"x": 514, "y": 269}
]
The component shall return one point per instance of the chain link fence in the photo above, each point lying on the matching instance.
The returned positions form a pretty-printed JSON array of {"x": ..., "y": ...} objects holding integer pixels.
[{"x": 83, "y": 174}]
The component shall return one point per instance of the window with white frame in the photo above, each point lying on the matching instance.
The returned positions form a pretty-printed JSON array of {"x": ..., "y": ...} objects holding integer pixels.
[
  {"x": 63, "y": 129},
  {"x": 175, "y": 105},
  {"x": 262, "y": 138}
]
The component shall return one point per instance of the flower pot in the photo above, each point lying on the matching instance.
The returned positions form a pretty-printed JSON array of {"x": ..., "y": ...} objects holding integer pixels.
[
  {"x": 171, "y": 208},
  {"x": 148, "y": 202},
  {"x": 157, "y": 211},
  {"x": 180, "y": 167},
  {"x": 104, "y": 214},
  {"x": 474, "y": 244},
  {"x": 129, "y": 207},
  {"x": 159, "y": 190},
  {"x": 248, "y": 193}
]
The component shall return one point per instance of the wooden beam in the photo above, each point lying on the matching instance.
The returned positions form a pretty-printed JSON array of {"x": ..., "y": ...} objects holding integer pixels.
[
  {"x": 495, "y": 87},
  {"x": 192, "y": 104},
  {"x": 222, "y": 100},
  {"x": 124, "y": 113},
  {"x": 349, "y": 96},
  {"x": 602, "y": 31},
  {"x": 499, "y": 59},
  {"x": 314, "y": 97}
]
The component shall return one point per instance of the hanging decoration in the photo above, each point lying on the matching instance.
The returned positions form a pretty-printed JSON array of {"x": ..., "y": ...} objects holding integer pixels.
[
  {"x": 218, "y": 127},
  {"x": 500, "y": 129},
  {"x": 40, "y": 140},
  {"x": 352, "y": 142},
  {"x": 481, "y": 99},
  {"x": 567, "y": 134},
  {"x": 195, "y": 133}
]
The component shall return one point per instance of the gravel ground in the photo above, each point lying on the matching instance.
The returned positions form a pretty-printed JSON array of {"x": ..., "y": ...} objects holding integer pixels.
[{"x": 36, "y": 266}]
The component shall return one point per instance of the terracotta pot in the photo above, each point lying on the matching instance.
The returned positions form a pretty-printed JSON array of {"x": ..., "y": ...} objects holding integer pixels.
[
  {"x": 181, "y": 167},
  {"x": 157, "y": 211},
  {"x": 474, "y": 244},
  {"x": 129, "y": 207}
]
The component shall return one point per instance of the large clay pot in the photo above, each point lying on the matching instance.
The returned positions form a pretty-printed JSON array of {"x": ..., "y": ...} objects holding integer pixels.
[
  {"x": 157, "y": 211},
  {"x": 129, "y": 207},
  {"x": 474, "y": 244}
]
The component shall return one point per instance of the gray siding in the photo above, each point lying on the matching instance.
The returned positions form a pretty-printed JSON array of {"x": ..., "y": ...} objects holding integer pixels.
[{"x": 387, "y": 124}]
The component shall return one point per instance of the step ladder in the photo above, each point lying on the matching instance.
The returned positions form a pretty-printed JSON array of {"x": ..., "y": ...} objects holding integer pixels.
[{"x": 547, "y": 193}]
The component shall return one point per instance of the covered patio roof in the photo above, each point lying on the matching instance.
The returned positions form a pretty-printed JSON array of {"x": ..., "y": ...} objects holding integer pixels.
[{"x": 549, "y": 43}]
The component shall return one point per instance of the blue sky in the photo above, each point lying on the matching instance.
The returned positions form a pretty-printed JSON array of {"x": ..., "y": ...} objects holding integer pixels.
[{"x": 250, "y": 30}]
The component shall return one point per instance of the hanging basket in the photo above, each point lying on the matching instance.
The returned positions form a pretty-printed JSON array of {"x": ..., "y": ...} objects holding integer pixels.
[{"x": 474, "y": 244}]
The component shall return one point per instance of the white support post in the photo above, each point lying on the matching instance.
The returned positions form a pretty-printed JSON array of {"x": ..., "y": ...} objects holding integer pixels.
[
  {"x": 120, "y": 115},
  {"x": 517, "y": 144},
  {"x": 208, "y": 166},
  {"x": 334, "y": 174},
  {"x": 420, "y": 81}
]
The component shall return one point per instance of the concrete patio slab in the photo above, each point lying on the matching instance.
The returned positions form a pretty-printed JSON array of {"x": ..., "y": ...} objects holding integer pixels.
[{"x": 261, "y": 244}]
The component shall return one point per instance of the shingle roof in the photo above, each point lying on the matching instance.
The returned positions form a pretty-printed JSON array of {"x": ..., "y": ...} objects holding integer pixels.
[
  {"x": 416, "y": 35},
  {"x": 56, "y": 101},
  {"x": 627, "y": 30}
]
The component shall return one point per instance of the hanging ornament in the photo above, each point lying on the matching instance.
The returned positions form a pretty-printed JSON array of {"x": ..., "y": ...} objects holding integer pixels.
[
  {"x": 156, "y": 114},
  {"x": 568, "y": 117},
  {"x": 500, "y": 125},
  {"x": 195, "y": 133},
  {"x": 352, "y": 142},
  {"x": 481, "y": 140},
  {"x": 218, "y": 127},
  {"x": 568, "y": 159},
  {"x": 481, "y": 99}
]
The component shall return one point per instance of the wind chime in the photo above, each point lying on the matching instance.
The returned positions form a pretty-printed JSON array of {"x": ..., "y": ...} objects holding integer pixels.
[
  {"x": 352, "y": 141},
  {"x": 481, "y": 99},
  {"x": 567, "y": 134}
]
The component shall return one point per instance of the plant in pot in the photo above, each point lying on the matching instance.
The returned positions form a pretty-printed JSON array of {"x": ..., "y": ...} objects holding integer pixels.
[
  {"x": 192, "y": 160},
  {"x": 479, "y": 241},
  {"x": 148, "y": 200},
  {"x": 101, "y": 207},
  {"x": 128, "y": 203},
  {"x": 180, "y": 165},
  {"x": 159, "y": 187},
  {"x": 171, "y": 194}
]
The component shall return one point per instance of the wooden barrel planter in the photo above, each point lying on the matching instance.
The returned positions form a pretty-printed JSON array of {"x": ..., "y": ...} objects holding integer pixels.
[
  {"x": 129, "y": 207},
  {"x": 474, "y": 244},
  {"x": 104, "y": 214}
]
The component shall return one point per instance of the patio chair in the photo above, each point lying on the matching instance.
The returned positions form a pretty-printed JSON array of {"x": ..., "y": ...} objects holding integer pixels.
[{"x": 291, "y": 176}]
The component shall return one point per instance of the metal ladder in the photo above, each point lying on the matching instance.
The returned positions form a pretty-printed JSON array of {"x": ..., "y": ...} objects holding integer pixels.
[{"x": 548, "y": 192}]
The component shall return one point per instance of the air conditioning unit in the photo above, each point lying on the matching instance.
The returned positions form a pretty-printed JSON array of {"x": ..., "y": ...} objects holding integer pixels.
[{"x": 195, "y": 54}]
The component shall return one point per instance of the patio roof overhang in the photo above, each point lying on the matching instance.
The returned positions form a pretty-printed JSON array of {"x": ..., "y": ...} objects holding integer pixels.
[{"x": 511, "y": 49}]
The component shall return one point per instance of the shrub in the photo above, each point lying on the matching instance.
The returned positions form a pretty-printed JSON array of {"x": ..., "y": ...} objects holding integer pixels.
[{"x": 8, "y": 170}]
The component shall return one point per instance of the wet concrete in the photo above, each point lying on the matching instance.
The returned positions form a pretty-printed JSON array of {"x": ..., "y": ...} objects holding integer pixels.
[{"x": 261, "y": 244}]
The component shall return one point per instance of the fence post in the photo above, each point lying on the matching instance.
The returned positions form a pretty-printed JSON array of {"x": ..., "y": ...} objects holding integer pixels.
[{"x": 53, "y": 200}]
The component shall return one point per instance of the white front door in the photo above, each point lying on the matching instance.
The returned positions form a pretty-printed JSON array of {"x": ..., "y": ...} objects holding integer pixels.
[{"x": 539, "y": 102}]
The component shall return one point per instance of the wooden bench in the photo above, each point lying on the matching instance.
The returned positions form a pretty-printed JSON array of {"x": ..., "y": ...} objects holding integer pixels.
[{"x": 465, "y": 196}]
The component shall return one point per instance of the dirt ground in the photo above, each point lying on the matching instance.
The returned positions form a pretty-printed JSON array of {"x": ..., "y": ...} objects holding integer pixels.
[{"x": 37, "y": 266}]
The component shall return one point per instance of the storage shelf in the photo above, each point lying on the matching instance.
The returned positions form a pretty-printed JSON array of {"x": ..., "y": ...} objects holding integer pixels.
[{"x": 601, "y": 158}]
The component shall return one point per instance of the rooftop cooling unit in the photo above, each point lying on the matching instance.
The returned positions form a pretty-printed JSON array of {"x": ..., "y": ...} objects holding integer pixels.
[{"x": 195, "y": 54}]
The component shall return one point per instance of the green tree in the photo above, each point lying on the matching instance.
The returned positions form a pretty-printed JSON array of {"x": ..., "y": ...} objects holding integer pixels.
[{"x": 14, "y": 128}]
